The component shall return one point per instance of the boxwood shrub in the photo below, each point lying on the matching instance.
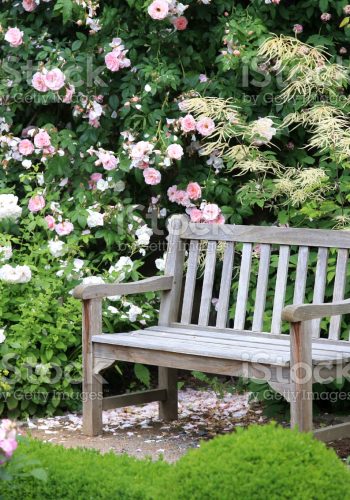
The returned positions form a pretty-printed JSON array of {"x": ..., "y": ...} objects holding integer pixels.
[{"x": 259, "y": 463}]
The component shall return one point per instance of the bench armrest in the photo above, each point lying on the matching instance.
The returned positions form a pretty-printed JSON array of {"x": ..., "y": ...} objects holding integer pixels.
[
  {"x": 153, "y": 284},
  {"x": 306, "y": 312}
]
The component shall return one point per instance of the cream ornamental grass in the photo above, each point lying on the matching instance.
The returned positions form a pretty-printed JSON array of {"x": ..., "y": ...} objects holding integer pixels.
[{"x": 301, "y": 185}]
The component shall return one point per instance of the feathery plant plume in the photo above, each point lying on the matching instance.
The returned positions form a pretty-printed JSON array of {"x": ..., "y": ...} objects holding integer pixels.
[
  {"x": 342, "y": 222},
  {"x": 300, "y": 185}
]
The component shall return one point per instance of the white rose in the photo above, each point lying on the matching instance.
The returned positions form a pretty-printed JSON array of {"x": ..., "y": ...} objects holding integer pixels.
[
  {"x": 8, "y": 207},
  {"x": 56, "y": 248},
  {"x": 17, "y": 274},
  {"x": 102, "y": 185},
  {"x": 2, "y": 335},
  {"x": 5, "y": 252},
  {"x": 133, "y": 312},
  {"x": 160, "y": 264},
  {"x": 95, "y": 219},
  {"x": 93, "y": 280}
]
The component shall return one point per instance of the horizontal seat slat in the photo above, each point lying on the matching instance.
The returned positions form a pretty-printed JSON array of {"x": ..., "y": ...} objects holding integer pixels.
[
  {"x": 242, "y": 349},
  {"x": 270, "y": 235}
]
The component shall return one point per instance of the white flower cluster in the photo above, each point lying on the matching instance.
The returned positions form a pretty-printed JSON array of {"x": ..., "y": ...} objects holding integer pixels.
[
  {"x": 56, "y": 248},
  {"x": 143, "y": 235},
  {"x": 95, "y": 218},
  {"x": 262, "y": 131},
  {"x": 17, "y": 274},
  {"x": 9, "y": 208},
  {"x": 5, "y": 252}
]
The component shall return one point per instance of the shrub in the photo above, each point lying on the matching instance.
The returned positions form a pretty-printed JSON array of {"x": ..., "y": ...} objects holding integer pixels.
[{"x": 261, "y": 462}]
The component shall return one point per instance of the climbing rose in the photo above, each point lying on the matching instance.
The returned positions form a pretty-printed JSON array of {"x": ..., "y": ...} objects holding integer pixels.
[
  {"x": 180, "y": 23},
  {"x": 64, "y": 228},
  {"x": 152, "y": 176},
  {"x": 112, "y": 60},
  {"x": 206, "y": 126},
  {"x": 39, "y": 83},
  {"x": 26, "y": 147},
  {"x": 175, "y": 151},
  {"x": 298, "y": 28},
  {"x": 194, "y": 191},
  {"x": 36, "y": 203},
  {"x": 29, "y": 5},
  {"x": 211, "y": 212},
  {"x": 50, "y": 221},
  {"x": 188, "y": 123},
  {"x": 42, "y": 139},
  {"x": 54, "y": 79},
  {"x": 14, "y": 37},
  {"x": 195, "y": 215},
  {"x": 172, "y": 193},
  {"x": 158, "y": 9}
]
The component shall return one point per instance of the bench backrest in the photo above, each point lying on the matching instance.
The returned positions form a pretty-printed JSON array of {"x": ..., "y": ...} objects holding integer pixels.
[{"x": 251, "y": 266}]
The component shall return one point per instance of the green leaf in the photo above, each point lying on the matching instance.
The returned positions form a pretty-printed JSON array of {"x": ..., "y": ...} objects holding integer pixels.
[
  {"x": 76, "y": 45},
  {"x": 40, "y": 474},
  {"x": 344, "y": 22},
  {"x": 65, "y": 7},
  {"x": 142, "y": 373}
]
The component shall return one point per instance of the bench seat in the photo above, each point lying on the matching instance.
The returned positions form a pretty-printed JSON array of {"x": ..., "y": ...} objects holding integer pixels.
[{"x": 236, "y": 345}]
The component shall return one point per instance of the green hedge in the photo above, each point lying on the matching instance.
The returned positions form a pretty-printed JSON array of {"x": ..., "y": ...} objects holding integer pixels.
[{"x": 261, "y": 462}]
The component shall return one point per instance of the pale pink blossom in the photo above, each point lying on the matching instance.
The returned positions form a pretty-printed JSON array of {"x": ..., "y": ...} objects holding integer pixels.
[
  {"x": 182, "y": 198},
  {"x": 26, "y": 147},
  {"x": 36, "y": 203},
  {"x": 112, "y": 60},
  {"x": 50, "y": 221},
  {"x": 195, "y": 215},
  {"x": 108, "y": 161},
  {"x": 39, "y": 83},
  {"x": 175, "y": 151},
  {"x": 96, "y": 176},
  {"x": 152, "y": 176},
  {"x": 188, "y": 124},
  {"x": 211, "y": 212},
  {"x": 158, "y": 9},
  {"x": 8, "y": 446},
  {"x": 14, "y": 37},
  {"x": 54, "y": 79},
  {"x": 172, "y": 193},
  {"x": 194, "y": 191},
  {"x": 205, "y": 126},
  {"x": 29, "y": 5},
  {"x": 42, "y": 139},
  {"x": 64, "y": 228},
  {"x": 180, "y": 23},
  {"x": 67, "y": 99}
]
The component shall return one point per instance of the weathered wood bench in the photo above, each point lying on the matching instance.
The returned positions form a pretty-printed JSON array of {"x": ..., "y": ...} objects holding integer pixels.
[{"x": 205, "y": 340}]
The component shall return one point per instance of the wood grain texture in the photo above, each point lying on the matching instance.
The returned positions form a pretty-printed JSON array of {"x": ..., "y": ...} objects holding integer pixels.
[
  {"x": 154, "y": 284},
  {"x": 168, "y": 408},
  {"x": 333, "y": 432},
  {"x": 261, "y": 288},
  {"x": 280, "y": 289},
  {"x": 301, "y": 376},
  {"x": 92, "y": 383},
  {"x": 320, "y": 286},
  {"x": 133, "y": 398},
  {"x": 225, "y": 285},
  {"x": 338, "y": 293},
  {"x": 270, "y": 235},
  {"x": 301, "y": 275},
  {"x": 190, "y": 282},
  {"x": 243, "y": 287},
  {"x": 306, "y": 312},
  {"x": 208, "y": 281}
]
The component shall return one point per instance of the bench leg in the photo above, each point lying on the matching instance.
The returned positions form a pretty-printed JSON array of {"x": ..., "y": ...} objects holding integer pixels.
[
  {"x": 167, "y": 379},
  {"x": 92, "y": 405}
]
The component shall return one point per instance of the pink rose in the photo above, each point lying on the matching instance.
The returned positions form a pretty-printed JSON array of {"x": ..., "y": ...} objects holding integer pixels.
[
  {"x": 14, "y": 37},
  {"x": 38, "y": 82},
  {"x": 95, "y": 177},
  {"x": 112, "y": 60},
  {"x": 211, "y": 212},
  {"x": 194, "y": 191},
  {"x": 109, "y": 162},
  {"x": 175, "y": 151},
  {"x": 188, "y": 123},
  {"x": 195, "y": 215},
  {"x": 36, "y": 203},
  {"x": 206, "y": 126},
  {"x": 181, "y": 197},
  {"x": 50, "y": 222},
  {"x": 180, "y": 23},
  {"x": 152, "y": 176},
  {"x": 8, "y": 446},
  {"x": 29, "y": 5},
  {"x": 172, "y": 193},
  {"x": 54, "y": 79},
  {"x": 26, "y": 147},
  {"x": 64, "y": 228},
  {"x": 67, "y": 99},
  {"x": 220, "y": 219},
  {"x": 158, "y": 9},
  {"x": 42, "y": 139}
]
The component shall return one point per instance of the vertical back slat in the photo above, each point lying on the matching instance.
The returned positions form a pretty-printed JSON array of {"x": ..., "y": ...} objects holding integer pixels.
[
  {"x": 190, "y": 283},
  {"x": 243, "y": 287},
  {"x": 320, "y": 286},
  {"x": 338, "y": 293},
  {"x": 261, "y": 288},
  {"x": 208, "y": 281},
  {"x": 301, "y": 275},
  {"x": 225, "y": 285},
  {"x": 280, "y": 290}
]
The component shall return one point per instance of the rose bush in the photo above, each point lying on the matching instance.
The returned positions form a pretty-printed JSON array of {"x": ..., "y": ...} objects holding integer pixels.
[{"x": 113, "y": 117}]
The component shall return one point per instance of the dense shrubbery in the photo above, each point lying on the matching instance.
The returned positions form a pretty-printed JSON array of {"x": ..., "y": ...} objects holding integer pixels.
[
  {"x": 91, "y": 141},
  {"x": 261, "y": 462}
]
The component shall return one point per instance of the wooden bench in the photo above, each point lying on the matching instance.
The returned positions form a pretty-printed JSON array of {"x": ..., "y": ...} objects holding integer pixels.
[{"x": 208, "y": 341}]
